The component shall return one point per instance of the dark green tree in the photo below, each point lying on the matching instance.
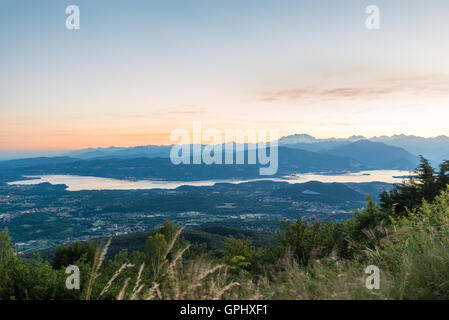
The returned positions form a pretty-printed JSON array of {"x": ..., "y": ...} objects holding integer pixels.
[
  {"x": 426, "y": 185},
  {"x": 68, "y": 254}
]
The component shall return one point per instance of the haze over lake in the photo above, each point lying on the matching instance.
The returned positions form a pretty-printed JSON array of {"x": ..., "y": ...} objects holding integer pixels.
[{"x": 78, "y": 183}]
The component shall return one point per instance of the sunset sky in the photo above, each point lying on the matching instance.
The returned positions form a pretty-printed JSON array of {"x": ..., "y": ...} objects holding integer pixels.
[{"x": 136, "y": 70}]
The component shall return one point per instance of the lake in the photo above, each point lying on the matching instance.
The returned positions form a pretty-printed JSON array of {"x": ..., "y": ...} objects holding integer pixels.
[{"x": 77, "y": 183}]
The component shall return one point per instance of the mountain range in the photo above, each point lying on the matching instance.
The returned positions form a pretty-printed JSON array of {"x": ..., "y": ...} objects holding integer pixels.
[
  {"x": 435, "y": 149},
  {"x": 303, "y": 152},
  {"x": 298, "y": 153}
]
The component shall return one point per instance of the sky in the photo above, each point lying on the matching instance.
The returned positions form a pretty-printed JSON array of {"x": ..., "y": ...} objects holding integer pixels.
[{"x": 137, "y": 70}]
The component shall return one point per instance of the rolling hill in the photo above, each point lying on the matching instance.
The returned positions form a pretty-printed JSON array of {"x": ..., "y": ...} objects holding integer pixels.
[{"x": 315, "y": 191}]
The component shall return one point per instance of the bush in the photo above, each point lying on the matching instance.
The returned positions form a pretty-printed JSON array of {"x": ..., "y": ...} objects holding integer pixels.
[{"x": 422, "y": 266}]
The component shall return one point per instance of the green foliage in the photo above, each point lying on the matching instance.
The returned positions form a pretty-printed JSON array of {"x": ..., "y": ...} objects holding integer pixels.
[
  {"x": 34, "y": 280},
  {"x": 419, "y": 256},
  {"x": 239, "y": 263},
  {"x": 159, "y": 245},
  {"x": 425, "y": 186},
  {"x": 366, "y": 219},
  {"x": 316, "y": 240},
  {"x": 155, "y": 250},
  {"x": 67, "y": 255},
  {"x": 238, "y": 253},
  {"x": 309, "y": 240},
  {"x": 5, "y": 246},
  {"x": 318, "y": 281},
  {"x": 242, "y": 256}
]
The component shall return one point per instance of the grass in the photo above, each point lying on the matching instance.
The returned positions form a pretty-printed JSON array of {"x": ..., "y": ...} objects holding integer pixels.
[
  {"x": 195, "y": 279},
  {"x": 412, "y": 254}
]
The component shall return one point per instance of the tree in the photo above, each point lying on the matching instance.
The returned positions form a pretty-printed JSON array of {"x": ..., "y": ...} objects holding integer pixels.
[
  {"x": 309, "y": 239},
  {"x": 443, "y": 175},
  {"x": 426, "y": 185},
  {"x": 20, "y": 280},
  {"x": 367, "y": 218},
  {"x": 5, "y": 246},
  {"x": 155, "y": 250},
  {"x": 241, "y": 256},
  {"x": 427, "y": 180},
  {"x": 69, "y": 254}
]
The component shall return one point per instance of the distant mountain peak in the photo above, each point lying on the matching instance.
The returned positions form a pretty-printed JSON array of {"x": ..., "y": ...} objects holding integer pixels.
[
  {"x": 297, "y": 138},
  {"x": 306, "y": 138},
  {"x": 356, "y": 138}
]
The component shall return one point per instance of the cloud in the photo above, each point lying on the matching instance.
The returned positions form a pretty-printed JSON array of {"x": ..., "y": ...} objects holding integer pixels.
[
  {"x": 425, "y": 84},
  {"x": 269, "y": 99},
  {"x": 185, "y": 112}
]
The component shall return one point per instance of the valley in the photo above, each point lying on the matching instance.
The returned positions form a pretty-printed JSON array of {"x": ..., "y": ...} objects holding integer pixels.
[{"x": 45, "y": 215}]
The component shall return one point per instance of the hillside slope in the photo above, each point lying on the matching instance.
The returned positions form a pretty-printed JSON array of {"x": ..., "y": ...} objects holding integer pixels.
[{"x": 376, "y": 155}]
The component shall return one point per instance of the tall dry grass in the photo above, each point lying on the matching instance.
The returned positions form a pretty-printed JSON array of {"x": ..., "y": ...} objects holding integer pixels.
[
  {"x": 197, "y": 278},
  {"x": 96, "y": 265}
]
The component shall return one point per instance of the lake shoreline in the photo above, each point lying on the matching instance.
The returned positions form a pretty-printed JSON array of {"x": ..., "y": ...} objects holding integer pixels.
[{"x": 80, "y": 183}]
